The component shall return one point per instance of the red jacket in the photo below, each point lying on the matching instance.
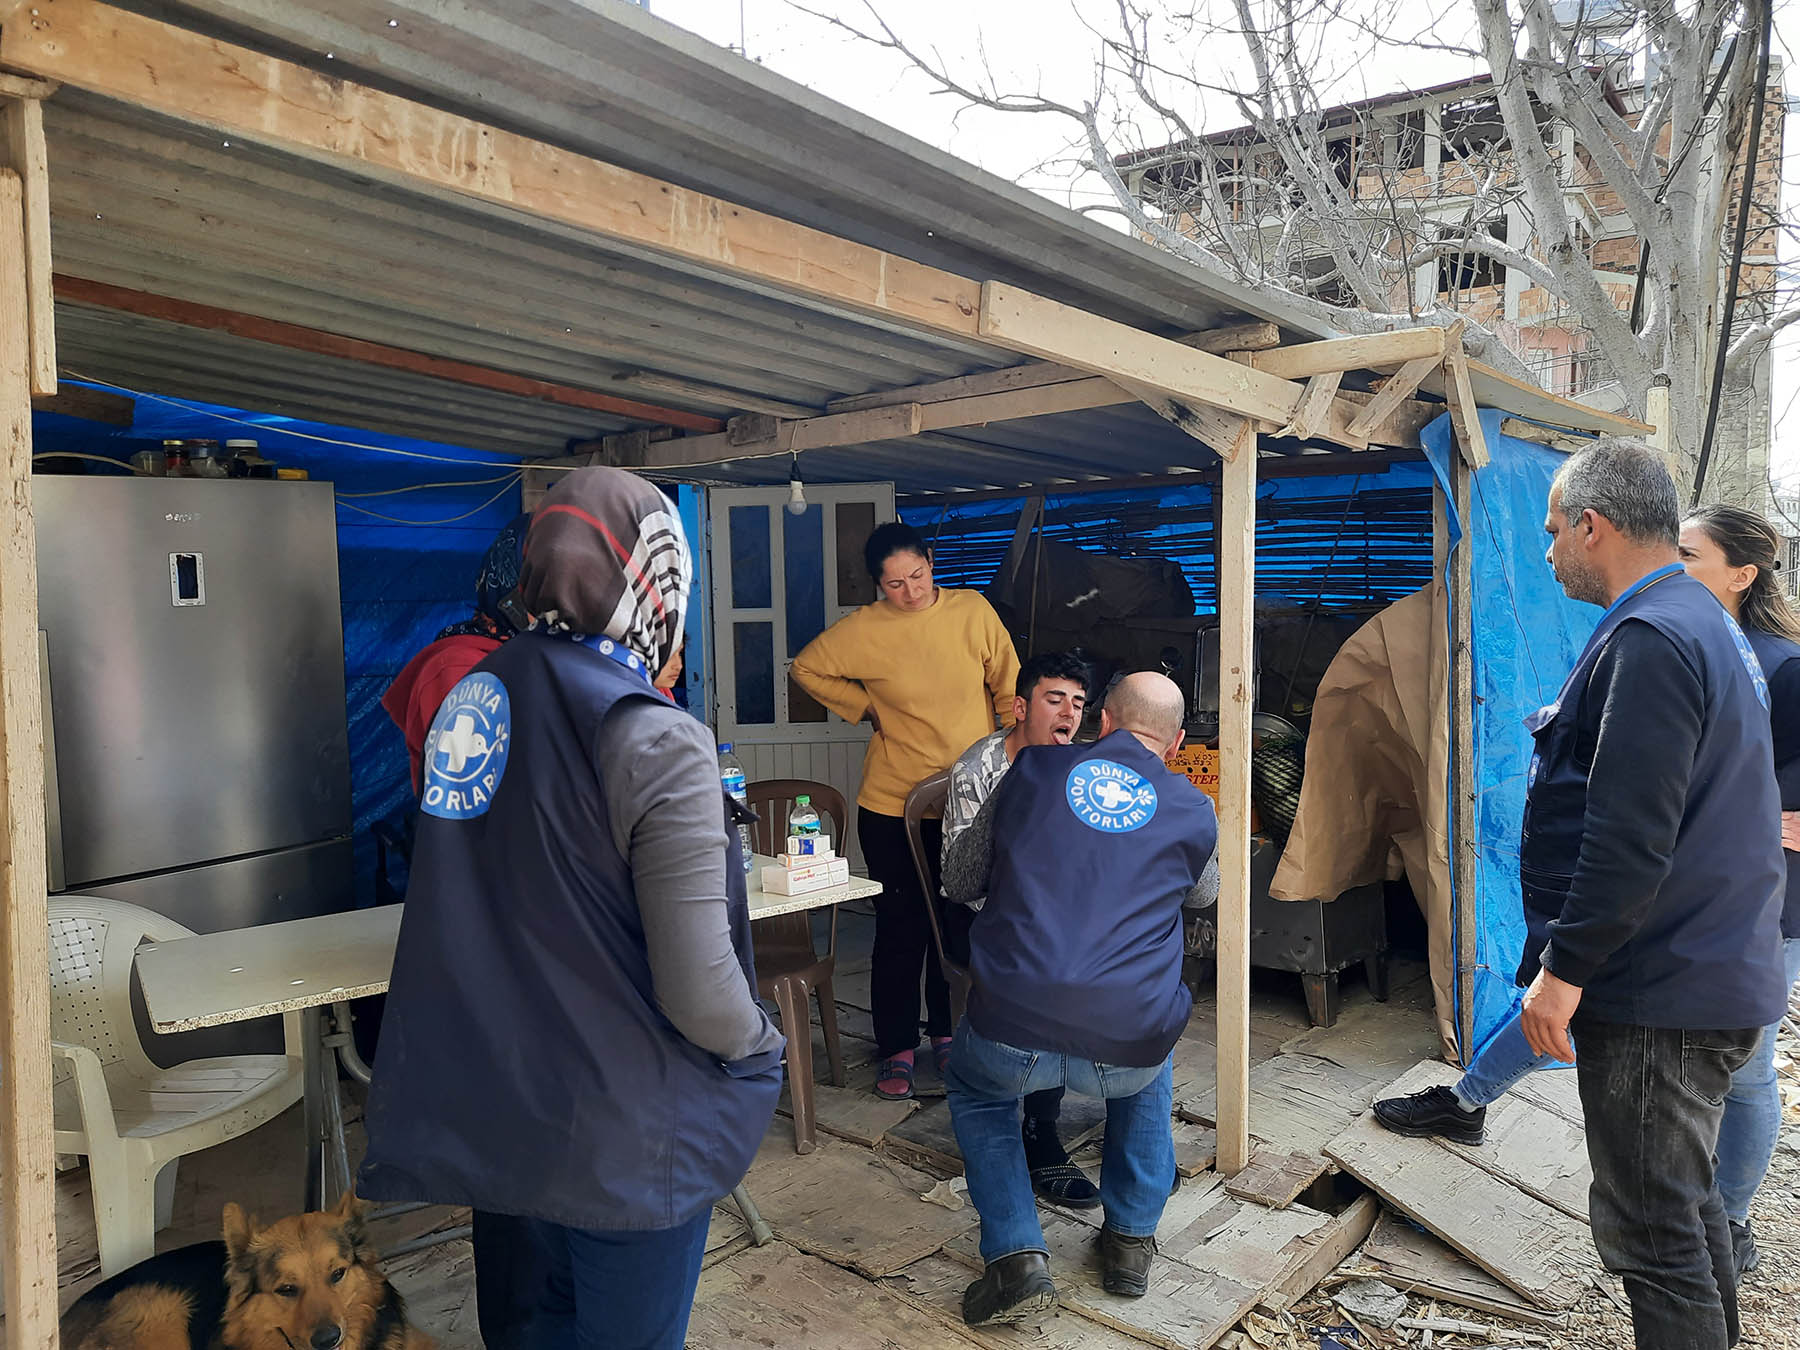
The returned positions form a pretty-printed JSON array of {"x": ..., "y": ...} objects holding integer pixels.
[{"x": 412, "y": 700}]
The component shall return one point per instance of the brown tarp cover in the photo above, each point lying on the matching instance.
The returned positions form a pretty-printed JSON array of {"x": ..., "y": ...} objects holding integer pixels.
[{"x": 1374, "y": 802}]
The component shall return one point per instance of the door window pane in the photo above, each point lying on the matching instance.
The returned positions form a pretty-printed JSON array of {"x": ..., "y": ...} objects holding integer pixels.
[
  {"x": 752, "y": 587},
  {"x": 753, "y": 649},
  {"x": 803, "y": 547},
  {"x": 855, "y": 523}
]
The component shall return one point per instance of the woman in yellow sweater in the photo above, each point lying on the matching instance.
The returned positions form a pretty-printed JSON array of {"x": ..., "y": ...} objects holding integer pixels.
[{"x": 931, "y": 669}]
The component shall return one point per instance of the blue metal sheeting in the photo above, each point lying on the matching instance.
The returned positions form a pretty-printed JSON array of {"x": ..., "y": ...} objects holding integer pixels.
[
  {"x": 1374, "y": 530},
  {"x": 401, "y": 579}
]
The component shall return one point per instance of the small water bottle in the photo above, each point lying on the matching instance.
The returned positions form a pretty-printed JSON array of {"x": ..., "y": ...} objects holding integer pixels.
[
  {"x": 731, "y": 775},
  {"x": 803, "y": 824}
]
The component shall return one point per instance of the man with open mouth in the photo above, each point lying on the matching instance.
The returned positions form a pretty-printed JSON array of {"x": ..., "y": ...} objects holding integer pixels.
[{"x": 1052, "y": 692}]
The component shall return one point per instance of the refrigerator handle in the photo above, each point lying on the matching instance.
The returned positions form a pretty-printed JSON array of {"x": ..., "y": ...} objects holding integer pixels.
[{"x": 53, "y": 834}]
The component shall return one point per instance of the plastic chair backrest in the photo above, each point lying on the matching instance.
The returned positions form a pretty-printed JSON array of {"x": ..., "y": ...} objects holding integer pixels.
[
  {"x": 773, "y": 798},
  {"x": 927, "y": 799},
  {"x": 92, "y": 945}
]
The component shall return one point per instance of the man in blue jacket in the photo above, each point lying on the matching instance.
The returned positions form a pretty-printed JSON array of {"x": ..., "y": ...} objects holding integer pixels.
[
  {"x": 1652, "y": 874},
  {"x": 1088, "y": 854}
]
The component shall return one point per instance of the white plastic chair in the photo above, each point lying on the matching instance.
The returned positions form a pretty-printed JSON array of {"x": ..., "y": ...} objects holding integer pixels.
[{"x": 129, "y": 1117}]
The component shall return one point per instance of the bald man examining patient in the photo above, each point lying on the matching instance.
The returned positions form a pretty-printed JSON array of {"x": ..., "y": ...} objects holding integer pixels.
[{"x": 1087, "y": 856}]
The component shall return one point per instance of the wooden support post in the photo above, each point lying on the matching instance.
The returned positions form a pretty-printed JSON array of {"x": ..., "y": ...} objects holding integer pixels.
[
  {"x": 1660, "y": 415},
  {"x": 22, "y": 150},
  {"x": 1465, "y": 416},
  {"x": 1237, "y": 613},
  {"x": 1464, "y": 846},
  {"x": 27, "y": 1152}
]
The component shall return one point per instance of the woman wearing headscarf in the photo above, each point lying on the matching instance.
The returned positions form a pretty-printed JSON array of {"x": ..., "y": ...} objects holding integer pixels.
[{"x": 572, "y": 1036}]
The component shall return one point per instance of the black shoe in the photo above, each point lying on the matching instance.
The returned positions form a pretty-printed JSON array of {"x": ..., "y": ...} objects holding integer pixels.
[
  {"x": 1125, "y": 1263},
  {"x": 1744, "y": 1254},
  {"x": 1015, "y": 1288},
  {"x": 1054, "y": 1178},
  {"x": 1434, "y": 1112}
]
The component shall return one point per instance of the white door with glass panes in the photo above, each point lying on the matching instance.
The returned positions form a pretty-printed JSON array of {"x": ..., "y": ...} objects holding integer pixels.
[{"x": 778, "y": 581}]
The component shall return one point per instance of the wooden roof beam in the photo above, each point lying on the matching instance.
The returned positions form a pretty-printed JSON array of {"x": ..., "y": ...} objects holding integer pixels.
[
  {"x": 1368, "y": 351},
  {"x": 1238, "y": 337}
]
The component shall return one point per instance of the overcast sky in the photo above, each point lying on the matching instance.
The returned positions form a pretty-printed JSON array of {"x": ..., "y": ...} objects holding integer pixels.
[{"x": 1045, "y": 47}]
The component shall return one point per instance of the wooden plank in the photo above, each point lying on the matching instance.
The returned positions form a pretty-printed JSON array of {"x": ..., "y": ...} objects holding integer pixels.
[
  {"x": 1299, "y": 1103},
  {"x": 94, "y": 405},
  {"x": 779, "y": 438},
  {"x": 1362, "y": 352},
  {"x": 1415, "y": 1262},
  {"x": 1566, "y": 441},
  {"x": 1225, "y": 434},
  {"x": 22, "y": 139},
  {"x": 1196, "y": 1148},
  {"x": 1276, "y": 1179},
  {"x": 1377, "y": 1042},
  {"x": 1185, "y": 1309},
  {"x": 936, "y": 1286},
  {"x": 1465, "y": 416},
  {"x": 1555, "y": 1090},
  {"x": 1395, "y": 391},
  {"x": 853, "y": 1112},
  {"x": 295, "y": 337},
  {"x": 20, "y": 86},
  {"x": 1535, "y": 1149},
  {"x": 777, "y": 1296},
  {"x": 27, "y": 1153},
  {"x": 1465, "y": 842},
  {"x": 1302, "y": 1274},
  {"x": 1237, "y": 618},
  {"x": 271, "y": 102},
  {"x": 1534, "y": 1249},
  {"x": 1033, "y": 374},
  {"x": 850, "y": 1206},
  {"x": 1059, "y": 332},
  {"x": 925, "y": 1139},
  {"x": 1314, "y": 413}
]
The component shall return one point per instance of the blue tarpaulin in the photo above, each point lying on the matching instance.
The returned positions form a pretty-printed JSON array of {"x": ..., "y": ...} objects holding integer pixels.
[
  {"x": 402, "y": 577},
  {"x": 1525, "y": 637}
]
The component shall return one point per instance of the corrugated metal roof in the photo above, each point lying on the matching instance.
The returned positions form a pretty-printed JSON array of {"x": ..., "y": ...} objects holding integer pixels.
[{"x": 141, "y": 202}]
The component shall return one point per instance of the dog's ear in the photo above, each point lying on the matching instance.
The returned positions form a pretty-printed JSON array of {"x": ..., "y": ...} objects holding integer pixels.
[
  {"x": 349, "y": 1211},
  {"x": 238, "y": 1228}
]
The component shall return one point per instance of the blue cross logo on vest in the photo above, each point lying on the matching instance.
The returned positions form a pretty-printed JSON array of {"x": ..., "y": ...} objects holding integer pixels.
[
  {"x": 1747, "y": 654},
  {"x": 465, "y": 753},
  {"x": 1110, "y": 797}
]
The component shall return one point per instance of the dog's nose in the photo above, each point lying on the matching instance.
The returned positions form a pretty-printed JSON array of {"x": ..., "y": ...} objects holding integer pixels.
[{"x": 327, "y": 1338}]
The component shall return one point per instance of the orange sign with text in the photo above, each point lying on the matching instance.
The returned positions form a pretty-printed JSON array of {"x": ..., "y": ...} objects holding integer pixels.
[{"x": 1200, "y": 767}]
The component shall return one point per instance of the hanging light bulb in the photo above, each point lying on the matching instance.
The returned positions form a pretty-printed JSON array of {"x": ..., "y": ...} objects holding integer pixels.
[{"x": 796, "y": 502}]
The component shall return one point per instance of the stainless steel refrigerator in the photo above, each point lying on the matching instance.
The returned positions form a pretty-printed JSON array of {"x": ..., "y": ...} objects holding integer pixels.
[{"x": 193, "y": 652}]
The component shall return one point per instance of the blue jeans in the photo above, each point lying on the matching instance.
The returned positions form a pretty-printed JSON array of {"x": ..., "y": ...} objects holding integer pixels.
[
  {"x": 985, "y": 1081},
  {"x": 541, "y": 1286},
  {"x": 1502, "y": 1062},
  {"x": 1752, "y": 1122}
]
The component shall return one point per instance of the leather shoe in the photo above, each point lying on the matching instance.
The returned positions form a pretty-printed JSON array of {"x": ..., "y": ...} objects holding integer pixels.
[
  {"x": 1434, "y": 1112},
  {"x": 1015, "y": 1289},
  {"x": 1125, "y": 1263}
]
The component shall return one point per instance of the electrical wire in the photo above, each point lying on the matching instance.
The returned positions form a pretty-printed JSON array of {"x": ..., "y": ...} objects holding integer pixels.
[
  {"x": 512, "y": 479},
  {"x": 98, "y": 459},
  {"x": 267, "y": 429},
  {"x": 425, "y": 487}
]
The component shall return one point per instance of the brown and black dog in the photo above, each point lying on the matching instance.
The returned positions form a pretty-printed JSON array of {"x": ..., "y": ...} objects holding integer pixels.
[{"x": 310, "y": 1282}]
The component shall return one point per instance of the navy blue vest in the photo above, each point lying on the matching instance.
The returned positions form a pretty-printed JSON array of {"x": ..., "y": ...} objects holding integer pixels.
[
  {"x": 1784, "y": 723},
  {"x": 524, "y": 1066},
  {"x": 1078, "y": 948},
  {"x": 1708, "y": 954}
]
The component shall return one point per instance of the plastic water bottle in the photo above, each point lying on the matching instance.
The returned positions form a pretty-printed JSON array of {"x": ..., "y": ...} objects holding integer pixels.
[
  {"x": 803, "y": 821},
  {"x": 731, "y": 775}
]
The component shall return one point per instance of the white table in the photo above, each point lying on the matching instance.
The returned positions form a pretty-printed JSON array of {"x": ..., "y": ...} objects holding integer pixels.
[
  {"x": 766, "y": 906},
  {"x": 305, "y": 966}
]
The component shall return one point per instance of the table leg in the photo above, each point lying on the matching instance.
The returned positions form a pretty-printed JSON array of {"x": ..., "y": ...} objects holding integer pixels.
[{"x": 312, "y": 1047}]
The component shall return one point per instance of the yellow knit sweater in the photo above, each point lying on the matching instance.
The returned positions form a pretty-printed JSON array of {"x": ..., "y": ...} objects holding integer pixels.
[{"x": 937, "y": 678}]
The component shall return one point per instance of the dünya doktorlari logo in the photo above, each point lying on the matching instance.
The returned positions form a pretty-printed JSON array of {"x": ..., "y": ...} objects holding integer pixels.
[
  {"x": 465, "y": 752},
  {"x": 1110, "y": 797}
]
